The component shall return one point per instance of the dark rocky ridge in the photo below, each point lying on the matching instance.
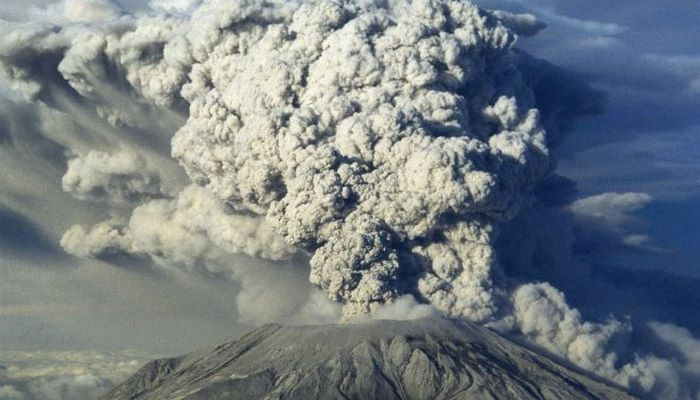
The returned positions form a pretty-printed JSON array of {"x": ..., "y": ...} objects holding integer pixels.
[{"x": 420, "y": 359}]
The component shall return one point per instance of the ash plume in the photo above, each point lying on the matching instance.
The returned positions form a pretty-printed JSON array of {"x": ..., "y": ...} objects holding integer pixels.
[
  {"x": 371, "y": 138},
  {"x": 389, "y": 141}
]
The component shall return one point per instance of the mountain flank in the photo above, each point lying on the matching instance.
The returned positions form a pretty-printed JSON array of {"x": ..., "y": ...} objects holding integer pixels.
[{"x": 420, "y": 359}]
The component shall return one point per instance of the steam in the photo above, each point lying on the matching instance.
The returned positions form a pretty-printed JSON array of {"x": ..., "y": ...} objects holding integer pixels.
[{"x": 389, "y": 141}]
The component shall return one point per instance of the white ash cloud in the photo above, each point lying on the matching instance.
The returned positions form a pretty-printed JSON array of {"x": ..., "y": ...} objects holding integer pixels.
[
  {"x": 543, "y": 317},
  {"x": 351, "y": 130},
  {"x": 121, "y": 176},
  {"x": 681, "y": 363},
  {"x": 403, "y": 309},
  {"x": 195, "y": 233},
  {"x": 389, "y": 141},
  {"x": 392, "y": 148},
  {"x": 185, "y": 230}
]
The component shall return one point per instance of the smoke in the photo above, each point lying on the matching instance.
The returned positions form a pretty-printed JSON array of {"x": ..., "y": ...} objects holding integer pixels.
[
  {"x": 185, "y": 230},
  {"x": 351, "y": 132},
  {"x": 543, "y": 317},
  {"x": 122, "y": 176},
  {"x": 681, "y": 365},
  {"x": 391, "y": 142}
]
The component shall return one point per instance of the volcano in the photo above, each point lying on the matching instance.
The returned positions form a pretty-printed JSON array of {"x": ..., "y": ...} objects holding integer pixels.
[{"x": 429, "y": 358}]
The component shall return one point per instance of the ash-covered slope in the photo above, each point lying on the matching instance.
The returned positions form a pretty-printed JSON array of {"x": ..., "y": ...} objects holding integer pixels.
[{"x": 420, "y": 359}]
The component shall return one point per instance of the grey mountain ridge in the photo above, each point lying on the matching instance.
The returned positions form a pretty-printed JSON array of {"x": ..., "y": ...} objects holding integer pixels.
[{"x": 420, "y": 359}]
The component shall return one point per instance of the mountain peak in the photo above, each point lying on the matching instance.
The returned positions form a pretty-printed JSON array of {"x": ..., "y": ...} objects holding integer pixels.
[{"x": 420, "y": 359}]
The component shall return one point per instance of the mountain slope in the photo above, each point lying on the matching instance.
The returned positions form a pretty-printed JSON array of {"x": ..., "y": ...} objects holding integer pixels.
[{"x": 420, "y": 359}]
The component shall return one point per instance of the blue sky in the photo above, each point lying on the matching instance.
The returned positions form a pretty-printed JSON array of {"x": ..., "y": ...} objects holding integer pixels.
[{"x": 645, "y": 56}]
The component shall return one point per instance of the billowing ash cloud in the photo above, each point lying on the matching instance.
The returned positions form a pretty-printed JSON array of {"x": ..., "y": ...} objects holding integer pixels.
[
  {"x": 121, "y": 176},
  {"x": 376, "y": 139},
  {"x": 390, "y": 141},
  {"x": 186, "y": 230},
  {"x": 385, "y": 141}
]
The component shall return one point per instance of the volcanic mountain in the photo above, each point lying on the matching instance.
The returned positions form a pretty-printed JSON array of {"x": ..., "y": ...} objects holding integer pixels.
[{"x": 421, "y": 359}]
